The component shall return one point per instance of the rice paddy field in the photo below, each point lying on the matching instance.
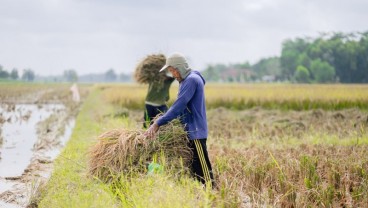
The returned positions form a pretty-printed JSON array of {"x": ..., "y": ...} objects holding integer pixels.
[{"x": 271, "y": 145}]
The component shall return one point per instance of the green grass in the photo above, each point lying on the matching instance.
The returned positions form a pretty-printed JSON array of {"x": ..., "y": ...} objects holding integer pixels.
[
  {"x": 70, "y": 185},
  {"x": 160, "y": 191}
]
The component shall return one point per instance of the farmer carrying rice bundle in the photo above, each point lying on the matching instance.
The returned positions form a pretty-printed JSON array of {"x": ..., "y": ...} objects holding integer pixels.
[
  {"x": 180, "y": 133},
  {"x": 148, "y": 72},
  {"x": 191, "y": 109}
]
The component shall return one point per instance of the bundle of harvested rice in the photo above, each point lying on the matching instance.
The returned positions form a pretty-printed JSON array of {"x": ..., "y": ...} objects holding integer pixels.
[
  {"x": 147, "y": 70},
  {"x": 121, "y": 151}
]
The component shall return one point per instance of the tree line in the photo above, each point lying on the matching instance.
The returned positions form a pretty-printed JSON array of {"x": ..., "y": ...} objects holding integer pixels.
[
  {"x": 328, "y": 58},
  {"x": 27, "y": 75},
  {"x": 69, "y": 75}
]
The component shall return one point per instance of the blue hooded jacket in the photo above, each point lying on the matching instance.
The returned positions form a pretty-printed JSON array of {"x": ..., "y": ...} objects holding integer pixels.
[{"x": 190, "y": 106}]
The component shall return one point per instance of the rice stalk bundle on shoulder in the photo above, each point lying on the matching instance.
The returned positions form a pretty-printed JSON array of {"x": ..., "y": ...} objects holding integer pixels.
[
  {"x": 122, "y": 151},
  {"x": 147, "y": 70}
]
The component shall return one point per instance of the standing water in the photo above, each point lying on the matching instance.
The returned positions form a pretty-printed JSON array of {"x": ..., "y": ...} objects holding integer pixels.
[{"x": 18, "y": 138}]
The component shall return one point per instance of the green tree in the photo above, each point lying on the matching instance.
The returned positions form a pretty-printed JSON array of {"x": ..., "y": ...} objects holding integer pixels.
[
  {"x": 70, "y": 75},
  {"x": 301, "y": 74},
  {"x": 28, "y": 75},
  {"x": 304, "y": 60},
  {"x": 110, "y": 75},
  {"x": 362, "y": 58},
  {"x": 210, "y": 74},
  {"x": 288, "y": 62},
  {"x": 245, "y": 65},
  {"x": 14, "y": 74},
  {"x": 347, "y": 53},
  {"x": 124, "y": 77},
  {"x": 214, "y": 72},
  {"x": 3, "y": 74},
  {"x": 267, "y": 66},
  {"x": 291, "y": 49},
  {"x": 322, "y": 71}
]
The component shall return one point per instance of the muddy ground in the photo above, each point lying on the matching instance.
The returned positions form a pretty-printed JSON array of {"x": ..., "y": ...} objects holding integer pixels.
[{"x": 52, "y": 132}]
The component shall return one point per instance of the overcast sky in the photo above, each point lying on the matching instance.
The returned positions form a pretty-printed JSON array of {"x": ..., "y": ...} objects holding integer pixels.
[{"x": 93, "y": 36}]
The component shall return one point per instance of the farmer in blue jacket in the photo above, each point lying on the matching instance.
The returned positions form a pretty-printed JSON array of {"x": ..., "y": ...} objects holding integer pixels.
[{"x": 190, "y": 107}]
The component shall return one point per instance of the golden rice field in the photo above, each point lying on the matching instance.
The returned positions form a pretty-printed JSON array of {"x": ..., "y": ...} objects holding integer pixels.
[
  {"x": 280, "y": 145},
  {"x": 244, "y": 96},
  {"x": 271, "y": 145}
]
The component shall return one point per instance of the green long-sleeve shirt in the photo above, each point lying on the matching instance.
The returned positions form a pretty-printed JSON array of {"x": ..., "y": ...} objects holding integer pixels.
[{"x": 158, "y": 92}]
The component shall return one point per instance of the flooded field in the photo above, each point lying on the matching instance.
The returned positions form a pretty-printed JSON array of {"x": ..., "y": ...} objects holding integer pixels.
[{"x": 35, "y": 126}]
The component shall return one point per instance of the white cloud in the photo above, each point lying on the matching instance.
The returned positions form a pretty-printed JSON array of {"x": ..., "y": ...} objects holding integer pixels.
[{"x": 50, "y": 36}]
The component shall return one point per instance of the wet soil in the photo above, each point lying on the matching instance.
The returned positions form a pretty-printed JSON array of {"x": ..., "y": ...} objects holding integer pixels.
[{"x": 32, "y": 134}]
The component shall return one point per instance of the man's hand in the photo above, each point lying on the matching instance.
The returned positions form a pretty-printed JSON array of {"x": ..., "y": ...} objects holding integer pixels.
[{"x": 151, "y": 132}]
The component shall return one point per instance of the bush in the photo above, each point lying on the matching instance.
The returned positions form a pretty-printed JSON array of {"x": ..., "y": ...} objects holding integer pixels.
[{"x": 301, "y": 74}]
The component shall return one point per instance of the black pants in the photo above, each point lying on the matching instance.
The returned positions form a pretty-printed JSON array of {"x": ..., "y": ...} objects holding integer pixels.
[
  {"x": 151, "y": 112},
  {"x": 201, "y": 165}
]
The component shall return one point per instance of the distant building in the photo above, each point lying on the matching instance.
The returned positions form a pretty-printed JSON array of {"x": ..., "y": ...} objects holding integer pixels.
[{"x": 236, "y": 75}]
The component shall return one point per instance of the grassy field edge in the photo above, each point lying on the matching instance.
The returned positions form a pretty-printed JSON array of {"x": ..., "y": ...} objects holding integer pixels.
[{"x": 69, "y": 185}]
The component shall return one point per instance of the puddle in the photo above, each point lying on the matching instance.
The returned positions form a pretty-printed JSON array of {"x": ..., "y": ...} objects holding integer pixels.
[
  {"x": 5, "y": 185},
  {"x": 3, "y": 204},
  {"x": 28, "y": 138},
  {"x": 19, "y": 135},
  {"x": 52, "y": 154}
]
